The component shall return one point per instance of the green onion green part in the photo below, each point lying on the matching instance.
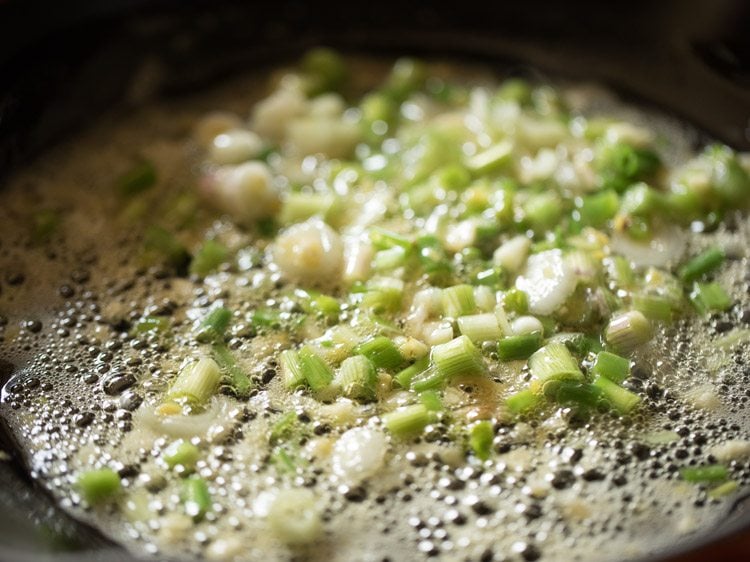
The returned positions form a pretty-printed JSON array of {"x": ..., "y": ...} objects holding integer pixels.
[
  {"x": 98, "y": 486},
  {"x": 317, "y": 373},
  {"x": 554, "y": 362},
  {"x": 480, "y": 439},
  {"x": 457, "y": 357},
  {"x": 195, "y": 497},
  {"x": 611, "y": 366},
  {"x": 357, "y": 378},
  {"x": 213, "y": 325},
  {"x": 382, "y": 352},
  {"x": 522, "y": 346},
  {"x": 706, "y": 473},
  {"x": 620, "y": 398},
  {"x": 408, "y": 420}
]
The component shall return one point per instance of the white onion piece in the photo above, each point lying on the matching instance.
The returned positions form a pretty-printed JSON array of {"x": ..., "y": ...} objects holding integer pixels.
[
  {"x": 358, "y": 454},
  {"x": 309, "y": 253},
  {"x": 664, "y": 250},
  {"x": 213, "y": 124},
  {"x": 246, "y": 192},
  {"x": 294, "y": 518},
  {"x": 512, "y": 254},
  {"x": 527, "y": 325},
  {"x": 272, "y": 115},
  {"x": 235, "y": 146},
  {"x": 547, "y": 281}
]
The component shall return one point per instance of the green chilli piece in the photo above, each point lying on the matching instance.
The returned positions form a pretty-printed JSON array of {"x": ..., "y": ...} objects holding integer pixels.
[
  {"x": 195, "y": 497},
  {"x": 480, "y": 439},
  {"x": 554, "y": 362},
  {"x": 213, "y": 325},
  {"x": 512, "y": 348},
  {"x": 382, "y": 352},
  {"x": 408, "y": 420},
  {"x": 357, "y": 378},
  {"x": 98, "y": 486},
  {"x": 611, "y": 366},
  {"x": 706, "y": 473}
]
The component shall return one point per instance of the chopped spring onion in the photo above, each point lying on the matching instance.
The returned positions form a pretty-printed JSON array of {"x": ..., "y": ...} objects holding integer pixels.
[
  {"x": 620, "y": 398},
  {"x": 575, "y": 393},
  {"x": 554, "y": 362},
  {"x": 317, "y": 373},
  {"x": 298, "y": 207},
  {"x": 702, "y": 264},
  {"x": 707, "y": 297},
  {"x": 457, "y": 357},
  {"x": 458, "y": 301},
  {"x": 521, "y": 346},
  {"x": 404, "y": 377},
  {"x": 197, "y": 382},
  {"x": 515, "y": 300},
  {"x": 480, "y": 327},
  {"x": 283, "y": 427},
  {"x": 654, "y": 307},
  {"x": 595, "y": 210},
  {"x": 208, "y": 258},
  {"x": 239, "y": 382},
  {"x": 611, "y": 366},
  {"x": 382, "y": 352},
  {"x": 357, "y": 378},
  {"x": 431, "y": 400},
  {"x": 480, "y": 439},
  {"x": 706, "y": 473},
  {"x": 627, "y": 331},
  {"x": 181, "y": 453},
  {"x": 97, "y": 486},
  {"x": 491, "y": 159},
  {"x": 291, "y": 369},
  {"x": 522, "y": 401},
  {"x": 408, "y": 420},
  {"x": 213, "y": 325},
  {"x": 195, "y": 497}
]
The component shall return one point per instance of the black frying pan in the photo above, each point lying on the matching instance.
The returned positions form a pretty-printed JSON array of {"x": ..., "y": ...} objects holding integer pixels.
[{"x": 62, "y": 63}]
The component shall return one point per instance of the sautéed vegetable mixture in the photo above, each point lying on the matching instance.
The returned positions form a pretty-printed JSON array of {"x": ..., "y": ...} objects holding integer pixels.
[{"x": 382, "y": 312}]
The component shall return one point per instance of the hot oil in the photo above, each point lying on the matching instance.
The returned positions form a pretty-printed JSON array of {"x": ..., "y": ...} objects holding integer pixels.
[{"x": 85, "y": 387}]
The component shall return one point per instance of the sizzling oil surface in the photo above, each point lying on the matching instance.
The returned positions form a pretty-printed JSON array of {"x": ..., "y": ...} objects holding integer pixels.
[{"x": 85, "y": 390}]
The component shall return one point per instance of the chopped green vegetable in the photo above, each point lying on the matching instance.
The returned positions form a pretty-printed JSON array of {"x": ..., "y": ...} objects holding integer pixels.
[
  {"x": 195, "y": 497},
  {"x": 181, "y": 453},
  {"x": 706, "y": 473},
  {"x": 457, "y": 357},
  {"x": 382, "y": 352},
  {"x": 197, "y": 382},
  {"x": 213, "y": 325},
  {"x": 98, "y": 486},
  {"x": 357, "y": 378},
  {"x": 627, "y": 331},
  {"x": 480, "y": 439},
  {"x": 554, "y": 362},
  {"x": 458, "y": 301},
  {"x": 707, "y": 297},
  {"x": 407, "y": 421},
  {"x": 620, "y": 398},
  {"x": 611, "y": 366},
  {"x": 238, "y": 379},
  {"x": 316, "y": 372},
  {"x": 511, "y": 348},
  {"x": 522, "y": 401}
]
